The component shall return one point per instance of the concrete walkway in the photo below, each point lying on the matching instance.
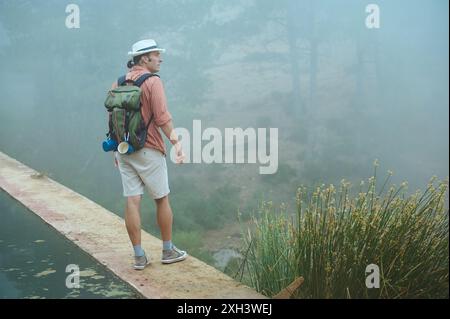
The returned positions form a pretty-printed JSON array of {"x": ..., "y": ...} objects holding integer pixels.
[{"x": 102, "y": 235}]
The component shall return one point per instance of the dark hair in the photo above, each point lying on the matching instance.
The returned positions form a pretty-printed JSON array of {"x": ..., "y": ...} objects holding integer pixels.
[
  {"x": 130, "y": 64},
  {"x": 136, "y": 60}
]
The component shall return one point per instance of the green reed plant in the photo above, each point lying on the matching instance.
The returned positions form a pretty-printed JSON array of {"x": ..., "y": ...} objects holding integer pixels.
[{"x": 334, "y": 236}]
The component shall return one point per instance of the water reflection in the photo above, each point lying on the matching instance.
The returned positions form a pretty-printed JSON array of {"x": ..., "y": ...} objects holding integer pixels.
[{"x": 33, "y": 260}]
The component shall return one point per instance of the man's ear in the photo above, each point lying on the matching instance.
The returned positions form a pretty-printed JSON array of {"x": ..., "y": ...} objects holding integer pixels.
[{"x": 142, "y": 59}]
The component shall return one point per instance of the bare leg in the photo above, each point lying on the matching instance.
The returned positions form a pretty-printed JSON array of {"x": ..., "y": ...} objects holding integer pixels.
[
  {"x": 164, "y": 217},
  {"x": 133, "y": 219}
]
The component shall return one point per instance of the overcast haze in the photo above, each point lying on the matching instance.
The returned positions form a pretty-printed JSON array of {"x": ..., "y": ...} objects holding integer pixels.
[{"x": 340, "y": 94}]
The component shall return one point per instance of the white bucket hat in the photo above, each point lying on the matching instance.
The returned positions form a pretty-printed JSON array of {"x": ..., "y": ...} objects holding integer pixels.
[{"x": 144, "y": 46}]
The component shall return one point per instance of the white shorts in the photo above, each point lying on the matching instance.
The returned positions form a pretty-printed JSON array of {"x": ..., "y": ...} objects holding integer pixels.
[{"x": 145, "y": 168}]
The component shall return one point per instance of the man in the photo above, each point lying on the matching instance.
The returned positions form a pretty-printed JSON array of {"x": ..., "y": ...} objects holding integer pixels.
[{"x": 146, "y": 168}]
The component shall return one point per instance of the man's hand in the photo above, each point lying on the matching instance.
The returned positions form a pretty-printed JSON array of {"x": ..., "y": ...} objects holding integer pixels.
[
  {"x": 180, "y": 156},
  {"x": 173, "y": 138}
]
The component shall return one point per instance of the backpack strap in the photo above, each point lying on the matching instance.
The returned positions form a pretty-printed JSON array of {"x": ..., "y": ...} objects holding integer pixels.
[
  {"x": 143, "y": 77},
  {"x": 138, "y": 83},
  {"x": 121, "y": 80}
]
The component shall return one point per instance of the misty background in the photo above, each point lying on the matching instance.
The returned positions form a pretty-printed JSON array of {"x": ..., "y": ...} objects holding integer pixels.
[{"x": 340, "y": 94}]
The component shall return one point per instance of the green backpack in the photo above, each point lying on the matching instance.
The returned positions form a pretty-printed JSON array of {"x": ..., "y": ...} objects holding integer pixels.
[{"x": 124, "y": 106}]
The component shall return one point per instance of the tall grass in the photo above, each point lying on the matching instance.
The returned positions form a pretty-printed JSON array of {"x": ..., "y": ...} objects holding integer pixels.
[{"x": 333, "y": 238}]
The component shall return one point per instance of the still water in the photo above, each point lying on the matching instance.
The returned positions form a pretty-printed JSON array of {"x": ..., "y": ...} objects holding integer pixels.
[{"x": 34, "y": 257}]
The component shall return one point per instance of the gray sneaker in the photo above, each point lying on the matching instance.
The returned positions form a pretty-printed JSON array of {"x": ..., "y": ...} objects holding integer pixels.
[
  {"x": 173, "y": 255},
  {"x": 140, "y": 262}
]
